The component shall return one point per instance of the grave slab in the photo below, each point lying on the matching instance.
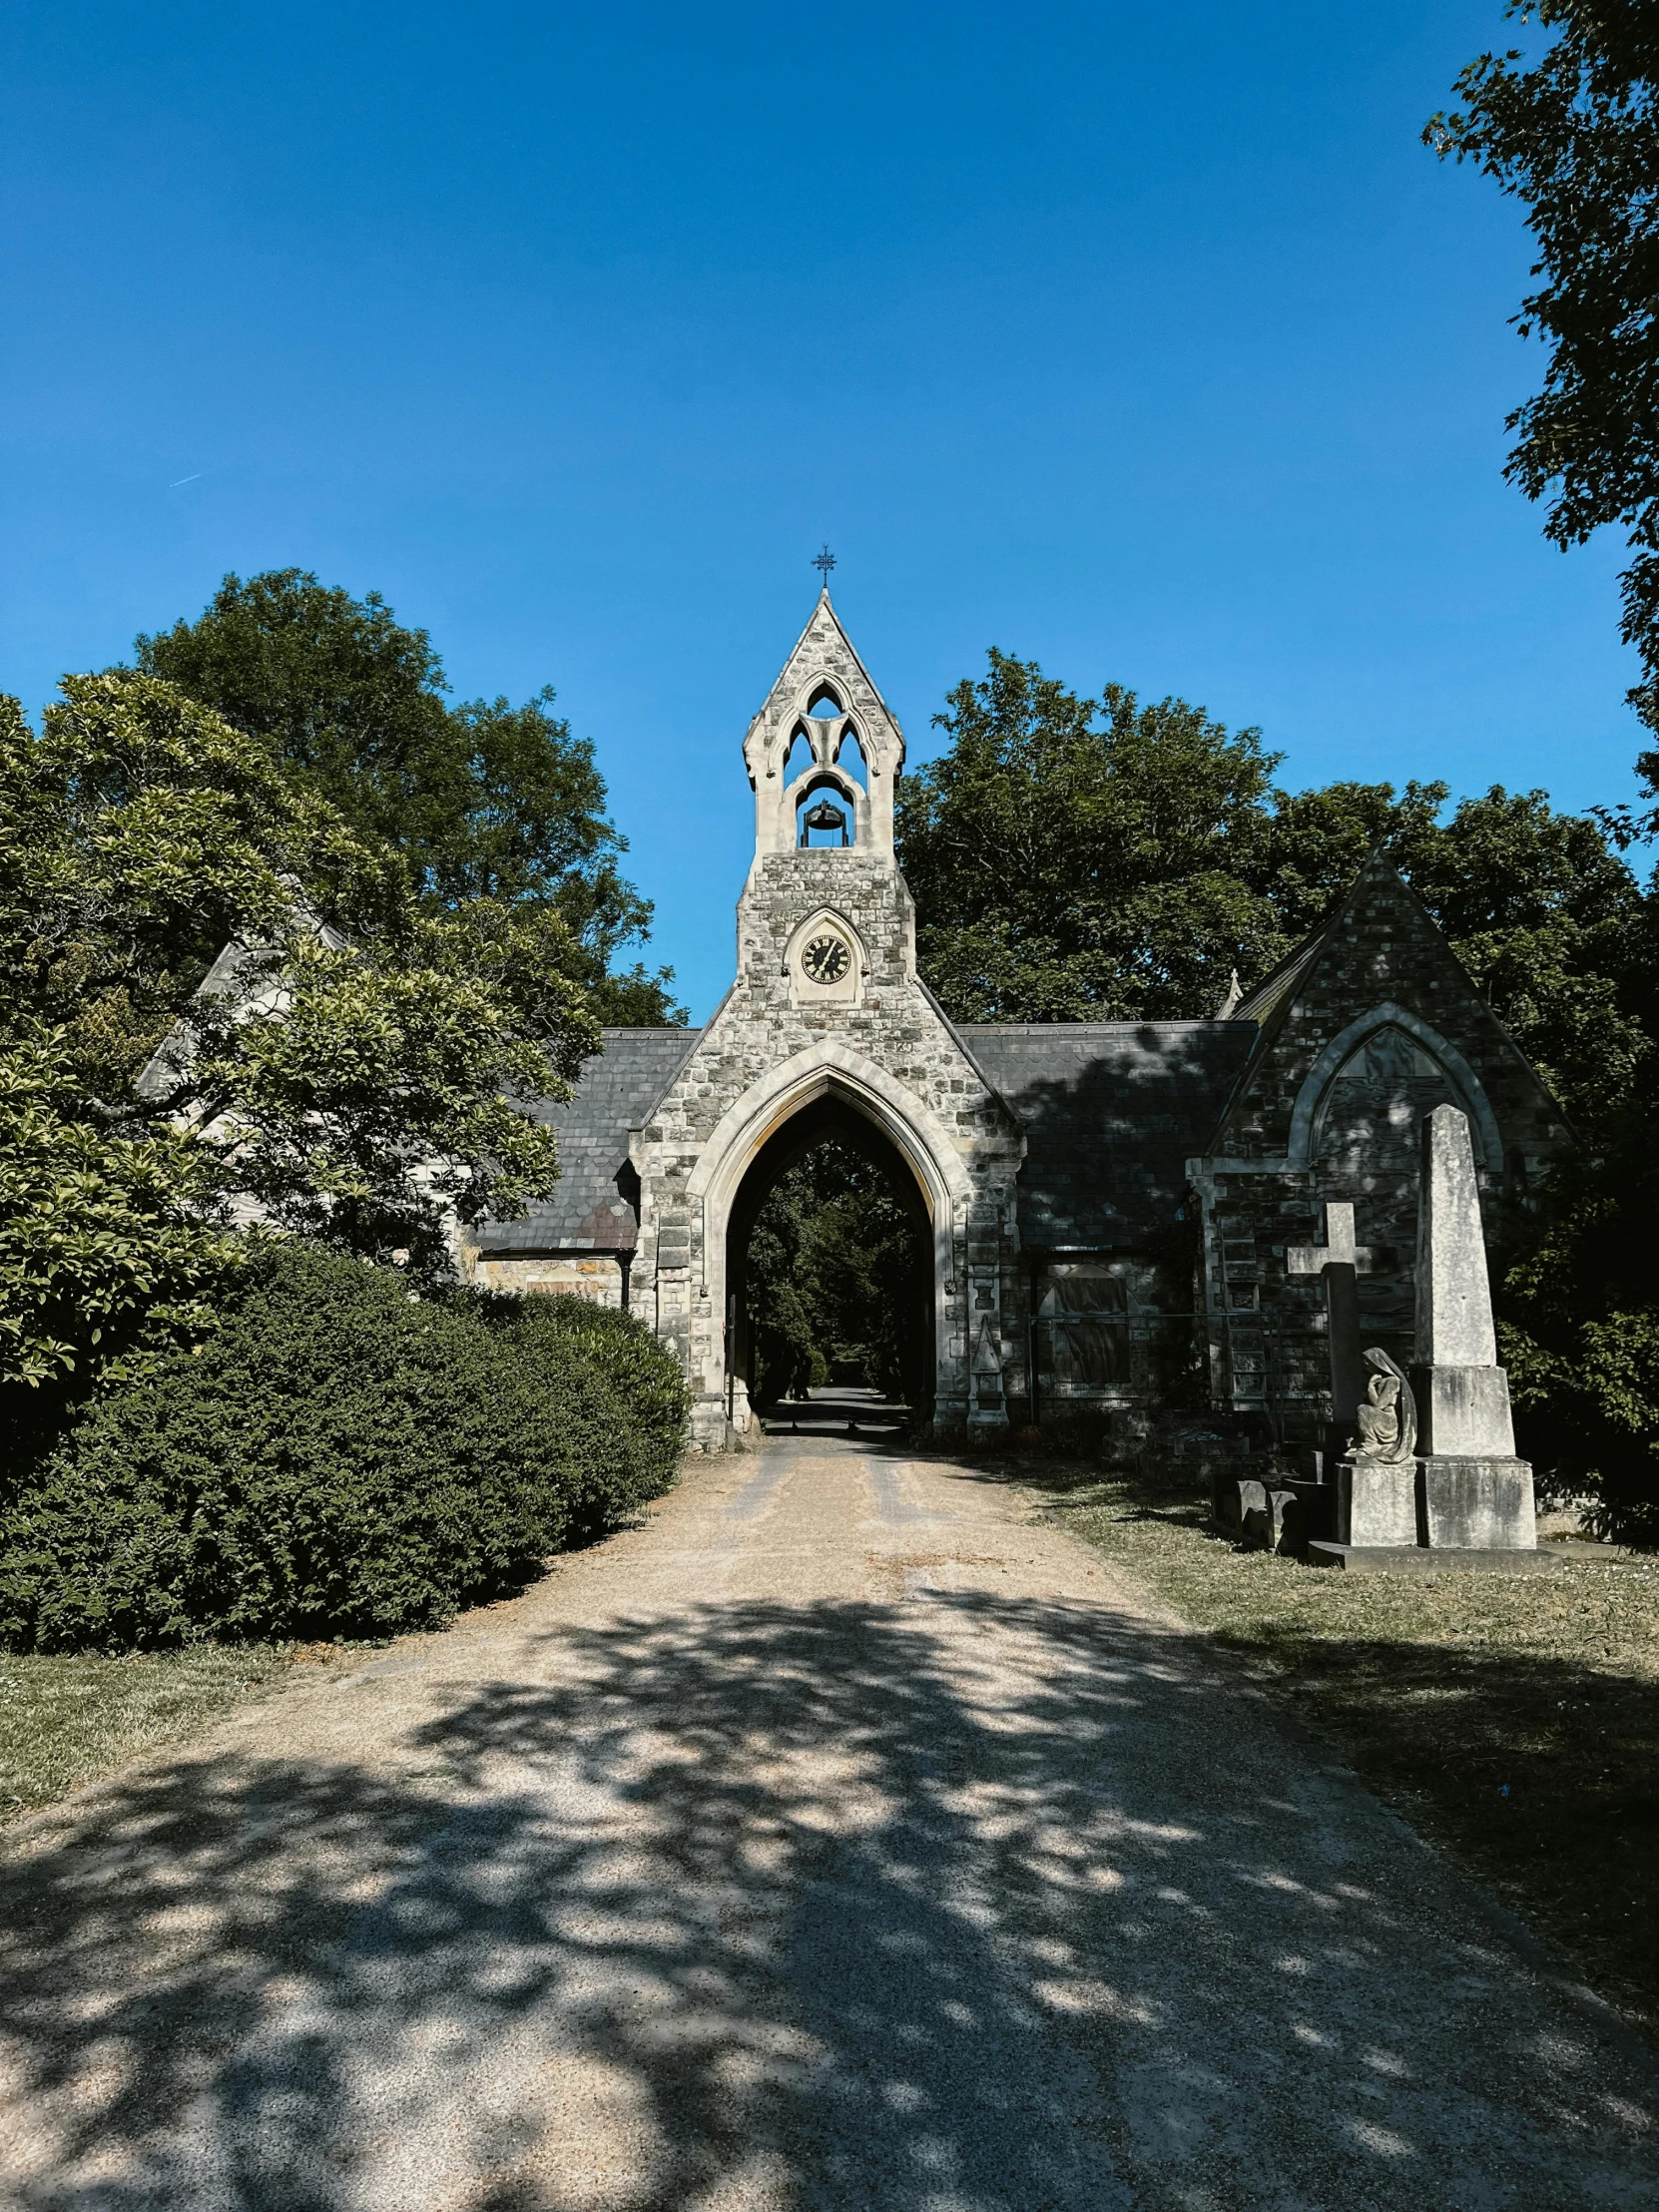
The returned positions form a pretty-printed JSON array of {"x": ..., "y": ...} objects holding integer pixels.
[{"x": 1418, "y": 1559}]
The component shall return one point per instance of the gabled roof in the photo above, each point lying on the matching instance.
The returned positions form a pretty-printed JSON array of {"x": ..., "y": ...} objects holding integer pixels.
[
  {"x": 824, "y": 626},
  {"x": 823, "y": 650},
  {"x": 1378, "y": 946},
  {"x": 1111, "y": 1112},
  {"x": 240, "y": 972},
  {"x": 616, "y": 1093}
]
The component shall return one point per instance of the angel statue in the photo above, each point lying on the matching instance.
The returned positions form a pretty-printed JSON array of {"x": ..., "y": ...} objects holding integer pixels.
[{"x": 1387, "y": 1420}]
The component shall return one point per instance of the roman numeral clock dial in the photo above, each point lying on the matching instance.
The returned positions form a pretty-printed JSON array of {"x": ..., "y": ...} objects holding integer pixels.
[{"x": 827, "y": 959}]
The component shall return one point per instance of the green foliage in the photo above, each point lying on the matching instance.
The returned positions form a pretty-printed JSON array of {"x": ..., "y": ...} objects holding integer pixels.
[
  {"x": 139, "y": 836},
  {"x": 1066, "y": 870},
  {"x": 1579, "y": 1323},
  {"x": 1572, "y": 133},
  {"x": 103, "y": 1251},
  {"x": 484, "y": 801},
  {"x": 645, "y": 1380},
  {"x": 1554, "y": 930},
  {"x": 342, "y": 1457},
  {"x": 838, "y": 1278},
  {"x": 162, "y": 880},
  {"x": 1074, "y": 860}
]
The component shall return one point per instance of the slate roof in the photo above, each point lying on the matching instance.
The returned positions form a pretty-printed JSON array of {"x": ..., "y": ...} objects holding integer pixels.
[
  {"x": 616, "y": 1091},
  {"x": 1112, "y": 1110}
]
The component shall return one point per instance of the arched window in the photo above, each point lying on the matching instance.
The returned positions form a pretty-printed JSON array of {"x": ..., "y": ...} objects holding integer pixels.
[
  {"x": 849, "y": 759},
  {"x": 798, "y": 759},
  {"x": 1368, "y": 1120}
]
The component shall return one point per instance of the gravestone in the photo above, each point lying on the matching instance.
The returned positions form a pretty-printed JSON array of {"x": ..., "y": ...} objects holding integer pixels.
[{"x": 1476, "y": 1494}]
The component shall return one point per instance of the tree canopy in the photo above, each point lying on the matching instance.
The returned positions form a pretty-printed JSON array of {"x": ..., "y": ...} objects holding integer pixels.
[
  {"x": 483, "y": 800},
  {"x": 1081, "y": 859},
  {"x": 837, "y": 1277},
  {"x": 1075, "y": 859},
  {"x": 351, "y": 1068},
  {"x": 1573, "y": 133}
]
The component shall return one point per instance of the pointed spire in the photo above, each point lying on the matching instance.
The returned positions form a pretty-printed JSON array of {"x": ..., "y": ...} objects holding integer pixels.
[
  {"x": 1235, "y": 996},
  {"x": 823, "y": 670}
]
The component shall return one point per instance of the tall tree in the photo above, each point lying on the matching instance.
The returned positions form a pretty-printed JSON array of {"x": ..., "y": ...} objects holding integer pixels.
[
  {"x": 358, "y": 1076},
  {"x": 483, "y": 800},
  {"x": 1573, "y": 132},
  {"x": 1082, "y": 860},
  {"x": 1076, "y": 860}
]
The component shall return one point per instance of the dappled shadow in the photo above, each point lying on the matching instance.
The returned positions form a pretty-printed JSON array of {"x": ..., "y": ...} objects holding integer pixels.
[
  {"x": 960, "y": 1903},
  {"x": 1111, "y": 1111}
]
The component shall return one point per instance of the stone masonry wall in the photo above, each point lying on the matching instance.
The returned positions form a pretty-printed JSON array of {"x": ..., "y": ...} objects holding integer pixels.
[
  {"x": 891, "y": 1024},
  {"x": 1266, "y": 1329}
]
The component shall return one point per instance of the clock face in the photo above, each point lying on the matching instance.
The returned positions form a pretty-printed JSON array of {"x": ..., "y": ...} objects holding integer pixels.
[{"x": 827, "y": 959}]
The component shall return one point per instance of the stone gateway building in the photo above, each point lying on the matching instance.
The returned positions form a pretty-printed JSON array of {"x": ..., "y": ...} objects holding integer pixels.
[{"x": 1122, "y": 1216}]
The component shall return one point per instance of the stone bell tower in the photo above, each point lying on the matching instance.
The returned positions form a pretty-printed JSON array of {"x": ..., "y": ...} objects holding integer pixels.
[
  {"x": 828, "y": 1028},
  {"x": 823, "y": 705}
]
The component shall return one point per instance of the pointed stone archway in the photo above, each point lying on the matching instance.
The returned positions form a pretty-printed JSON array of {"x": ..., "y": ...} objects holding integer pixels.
[
  {"x": 825, "y": 1089},
  {"x": 828, "y": 1014},
  {"x": 833, "y": 1116}
]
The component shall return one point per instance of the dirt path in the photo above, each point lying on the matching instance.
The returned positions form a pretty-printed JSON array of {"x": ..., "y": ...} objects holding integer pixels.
[{"x": 844, "y": 1838}]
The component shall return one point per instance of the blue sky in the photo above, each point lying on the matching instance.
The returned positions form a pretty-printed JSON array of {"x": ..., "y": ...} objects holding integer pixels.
[{"x": 1150, "y": 343}]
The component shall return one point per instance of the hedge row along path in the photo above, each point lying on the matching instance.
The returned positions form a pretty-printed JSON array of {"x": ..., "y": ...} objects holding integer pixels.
[{"x": 844, "y": 1836}]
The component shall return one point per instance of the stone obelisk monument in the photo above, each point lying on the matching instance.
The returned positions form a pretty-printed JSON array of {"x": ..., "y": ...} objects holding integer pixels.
[{"x": 1476, "y": 1495}]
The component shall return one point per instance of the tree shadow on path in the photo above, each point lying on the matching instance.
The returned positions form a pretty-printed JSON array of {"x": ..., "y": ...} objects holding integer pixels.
[{"x": 957, "y": 1904}]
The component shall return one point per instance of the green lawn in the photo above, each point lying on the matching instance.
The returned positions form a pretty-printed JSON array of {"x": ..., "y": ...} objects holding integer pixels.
[
  {"x": 1516, "y": 1722},
  {"x": 64, "y": 1721}
]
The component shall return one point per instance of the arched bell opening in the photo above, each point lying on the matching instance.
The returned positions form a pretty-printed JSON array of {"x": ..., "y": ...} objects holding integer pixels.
[
  {"x": 826, "y": 812},
  {"x": 872, "y": 1264}
]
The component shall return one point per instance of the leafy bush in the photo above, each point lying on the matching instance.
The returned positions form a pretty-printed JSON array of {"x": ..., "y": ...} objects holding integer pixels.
[
  {"x": 542, "y": 1334},
  {"x": 1579, "y": 1328},
  {"x": 338, "y": 1457}
]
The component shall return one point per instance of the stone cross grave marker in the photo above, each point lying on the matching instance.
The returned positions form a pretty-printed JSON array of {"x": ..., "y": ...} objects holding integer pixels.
[{"x": 1340, "y": 1262}]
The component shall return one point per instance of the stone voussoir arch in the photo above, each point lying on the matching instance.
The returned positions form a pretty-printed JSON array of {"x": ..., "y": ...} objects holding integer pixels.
[
  {"x": 1341, "y": 1049},
  {"x": 915, "y": 1131}
]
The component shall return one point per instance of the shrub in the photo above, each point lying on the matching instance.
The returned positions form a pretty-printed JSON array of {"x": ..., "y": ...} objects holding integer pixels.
[
  {"x": 543, "y": 1332},
  {"x": 337, "y": 1459}
]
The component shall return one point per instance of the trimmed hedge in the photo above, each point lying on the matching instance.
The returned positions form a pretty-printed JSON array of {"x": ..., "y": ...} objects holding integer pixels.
[{"x": 337, "y": 1459}]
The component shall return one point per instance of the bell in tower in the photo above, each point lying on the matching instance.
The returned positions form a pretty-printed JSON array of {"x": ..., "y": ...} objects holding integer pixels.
[{"x": 823, "y": 752}]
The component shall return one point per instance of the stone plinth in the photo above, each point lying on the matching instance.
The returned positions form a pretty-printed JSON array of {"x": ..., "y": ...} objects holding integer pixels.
[
  {"x": 1376, "y": 1504},
  {"x": 1479, "y": 1503},
  {"x": 1464, "y": 1413}
]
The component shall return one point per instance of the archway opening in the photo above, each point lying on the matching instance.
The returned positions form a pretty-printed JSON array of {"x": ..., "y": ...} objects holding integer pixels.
[{"x": 830, "y": 1268}]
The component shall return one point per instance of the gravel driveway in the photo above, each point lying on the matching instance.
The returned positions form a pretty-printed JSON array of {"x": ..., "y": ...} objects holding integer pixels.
[{"x": 844, "y": 1836}]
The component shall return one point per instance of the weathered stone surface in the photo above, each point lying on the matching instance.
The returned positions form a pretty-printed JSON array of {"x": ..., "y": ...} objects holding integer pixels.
[
  {"x": 1418, "y": 1559},
  {"x": 1362, "y": 1032},
  {"x": 1479, "y": 1503},
  {"x": 1477, "y": 1494},
  {"x": 1255, "y": 1515},
  {"x": 1463, "y": 1412},
  {"x": 1375, "y": 1504},
  {"x": 1455, "y": 1300}
]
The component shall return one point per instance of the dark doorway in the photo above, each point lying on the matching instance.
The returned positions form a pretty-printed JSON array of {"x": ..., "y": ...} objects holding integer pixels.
[{"x": 830, "y": 1266}]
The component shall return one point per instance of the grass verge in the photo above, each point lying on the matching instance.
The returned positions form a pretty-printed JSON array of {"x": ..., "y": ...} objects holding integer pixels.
[
  {"x": 65, "y": 1721},
  {"x": 1514, "y": 1721}
]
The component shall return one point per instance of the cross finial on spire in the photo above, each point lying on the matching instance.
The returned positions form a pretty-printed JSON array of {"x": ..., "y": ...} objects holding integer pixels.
[{"x": 823, "y": 562}]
